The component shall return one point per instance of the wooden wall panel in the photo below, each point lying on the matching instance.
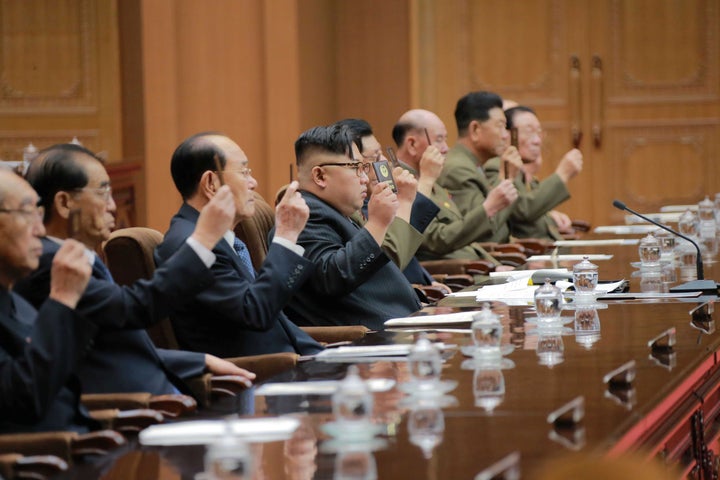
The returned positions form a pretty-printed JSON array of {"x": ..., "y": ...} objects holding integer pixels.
[
  {"x": 59, "y": 75},
  {"x": 648, "y": 73}
]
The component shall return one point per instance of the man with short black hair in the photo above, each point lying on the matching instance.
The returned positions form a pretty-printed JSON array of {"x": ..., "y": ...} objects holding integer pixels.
[{"x": 354, "y": 280}]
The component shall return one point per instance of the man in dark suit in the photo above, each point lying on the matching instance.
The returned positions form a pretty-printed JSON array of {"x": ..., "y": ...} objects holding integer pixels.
[
  {"x": 40, "y": 351},
  {"x": 241, "y": 314},
  {"x": 70, "y": 178},
  {"x": 422, "y": 211},
  {"x": 354, "y": 280}
]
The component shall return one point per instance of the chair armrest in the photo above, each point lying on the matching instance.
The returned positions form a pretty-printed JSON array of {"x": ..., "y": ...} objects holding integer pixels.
[
  {"x": 336, "y": 334},
  {"x": 120, "y": 401},
  {"x": 479, "y": 267},
  {"x": 512, "y": 259},
  {"x": 581, "y": 225},
  {"x": 226, "y": 385},
  {"x": 171, "y": 405},
  {"x": 96, "y": 443},
  {"x": 64, "y": 445},
  {"x": 127, "y": 421},
  {"x": 535, "y": 246},
  {"x": 433, "y": 294},
  {"x": 507, "y": 248},
  {"x": 266, "y": 366},
  {"x": 14, "y": 465},
  {"x": 448, "y": 266}
]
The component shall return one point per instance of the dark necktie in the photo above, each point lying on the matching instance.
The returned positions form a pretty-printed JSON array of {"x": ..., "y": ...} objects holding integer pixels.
[{"x": 242, "y": 251}]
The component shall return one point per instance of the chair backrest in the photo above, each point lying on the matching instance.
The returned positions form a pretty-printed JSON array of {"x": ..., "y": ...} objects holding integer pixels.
[
  {"x": 254, "y": 230},
  {"x": 129, "y": 256}
]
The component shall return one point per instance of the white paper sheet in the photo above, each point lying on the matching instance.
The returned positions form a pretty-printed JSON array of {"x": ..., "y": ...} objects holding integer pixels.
[
  {"x": 202, "y": 432},
  {"x": 515, "y": 274},
  {"x": 445, "y": 319},
  {"x": 319, "y": 387},
  {"x": 371, "y": 351},
  {"x": 625, "y": 229},
  {"x": 667, "y": 217},
  {"x": 570, "y": 258},
  {"x": 596, "y": 243},
  {"x": 678, "y": 208}
]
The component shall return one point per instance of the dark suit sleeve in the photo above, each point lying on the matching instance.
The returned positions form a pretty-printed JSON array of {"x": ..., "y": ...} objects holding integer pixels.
[
  {"x": 146, "y": 301},
  {"x": 33, "y": 372},
  {"x": 423, "y": 212},
  {"x": 340, "y": 266},
  {"x": 183, "y": 364},
  {"x": 256, "y": 304}
]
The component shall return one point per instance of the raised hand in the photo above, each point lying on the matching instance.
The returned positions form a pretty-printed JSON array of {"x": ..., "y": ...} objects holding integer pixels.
[
  {"x": 216, "y": 218},
  {"x": 510, "y": 157},
  {"x": 291, "y": 214},
  {"x": 570, "y": 165},
  {"x": 70, "y": 273},
  {"x": 500, "y": 197},
  {"x": 382, "y": 207}
]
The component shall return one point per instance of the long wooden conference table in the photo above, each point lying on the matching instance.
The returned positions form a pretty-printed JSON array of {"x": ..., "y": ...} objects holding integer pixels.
[{"x": 668, "y": 411}]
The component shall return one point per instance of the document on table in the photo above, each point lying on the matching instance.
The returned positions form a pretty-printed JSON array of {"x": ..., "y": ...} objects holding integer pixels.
[
  {"x": 201, "y": 432},
  {"x": 596, "y": 243},
  {"x": 678, "y": 208},
  {"x": 569, "y": 258},
  {"x": 625, "y": 229},
  {"x": 515, "y": 274},
  {"x": 516, "y": 292},
  {"x": 318, "y": 387},
  {"x": 667, "y": 217},
  {"x": 601, "y": 288},
  {"x": 445, "y": 319},
  {"x": 371, "y": 352}
]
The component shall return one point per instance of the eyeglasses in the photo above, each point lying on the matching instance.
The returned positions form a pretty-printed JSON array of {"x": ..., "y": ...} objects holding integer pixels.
[
  {"x": 245, "y": 172},
  {"x": 531, "y": 132},
  {"x": 374, "y": 156},
  {"x": 32, "y": 213},
  {"x": 104, "y": 192},
  {"x": 360, "y": 167}
]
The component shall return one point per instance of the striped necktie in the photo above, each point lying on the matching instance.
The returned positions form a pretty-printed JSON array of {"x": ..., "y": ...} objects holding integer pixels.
[{"x": 242, "y": 251}]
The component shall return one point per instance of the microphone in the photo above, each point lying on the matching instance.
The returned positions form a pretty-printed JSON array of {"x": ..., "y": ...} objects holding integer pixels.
[{"x": 705, "y": 286}]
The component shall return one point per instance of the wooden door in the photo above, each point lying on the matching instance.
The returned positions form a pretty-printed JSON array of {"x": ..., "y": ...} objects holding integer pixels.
[{"x": 638, "y": 80}]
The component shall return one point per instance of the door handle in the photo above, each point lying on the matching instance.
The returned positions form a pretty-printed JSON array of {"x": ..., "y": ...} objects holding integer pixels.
[
  {"x": 596, "y": 93},
  {"x": 575, "y": 102}
]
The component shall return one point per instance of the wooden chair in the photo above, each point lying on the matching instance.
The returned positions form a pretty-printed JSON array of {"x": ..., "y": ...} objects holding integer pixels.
[{"x": 63, "y": 445}]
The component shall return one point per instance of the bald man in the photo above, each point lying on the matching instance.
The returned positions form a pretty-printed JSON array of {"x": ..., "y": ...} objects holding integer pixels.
[{"x": 451, "y": 234}]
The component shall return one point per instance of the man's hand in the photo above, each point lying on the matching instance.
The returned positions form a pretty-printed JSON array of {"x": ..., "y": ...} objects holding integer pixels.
[
  {"x": 570, "y": 165},
  {"x": 431, "y": 165},
  {"x": 70, "y": 273},
  {"x": 291, "y": 214},
  {"x": 510, "y": 157},
  {"x": 406, "y": 191},
  {"x": 218, "y": 366},
  {"x": 562, "y": 220},
  {"x": 216, "y": 218},
  {"x": 382, "y": 208},
  {"x": 500, "y": 197}
]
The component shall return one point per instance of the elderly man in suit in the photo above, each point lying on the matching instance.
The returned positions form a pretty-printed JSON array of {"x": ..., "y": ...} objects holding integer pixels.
[
  {"x": 70, "y": 178},
  {"x": 354, "y": 280},
  {"x": 40, "y": 351},
  {"x": 241, "y": 314}
]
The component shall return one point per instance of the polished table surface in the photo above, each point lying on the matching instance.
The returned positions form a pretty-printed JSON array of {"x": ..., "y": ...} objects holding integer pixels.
[{"x": 475, "y": 437}]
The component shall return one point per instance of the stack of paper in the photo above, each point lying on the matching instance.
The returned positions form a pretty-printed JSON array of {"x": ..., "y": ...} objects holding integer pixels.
[
  {"x": 446, "y": 319},
  {"x": 569, "y": 258},
  {"x": 208, "y": 431},
  {"x": 596, "y": 243},
  {"x": 318, "y": 387},
  {"x": 625, "y": 229}
]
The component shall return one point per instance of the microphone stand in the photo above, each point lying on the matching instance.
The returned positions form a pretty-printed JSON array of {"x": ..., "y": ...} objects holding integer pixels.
[{"x": 708, "y": 287}]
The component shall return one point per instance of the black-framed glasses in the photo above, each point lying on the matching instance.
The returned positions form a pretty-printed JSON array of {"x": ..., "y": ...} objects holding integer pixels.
[
  {"x": 360, "y": 167},
  {"x": 36, "y": 212},
  {"x": 372, "y": 156}
]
